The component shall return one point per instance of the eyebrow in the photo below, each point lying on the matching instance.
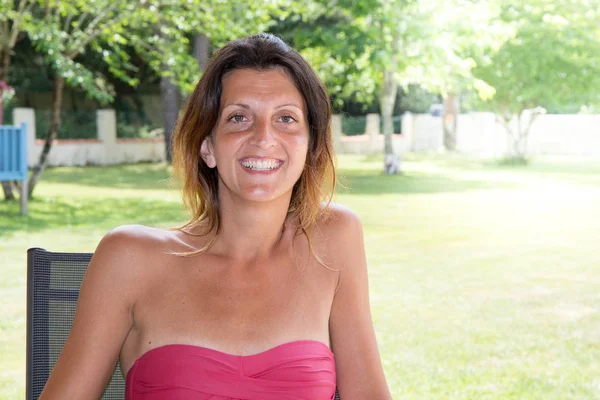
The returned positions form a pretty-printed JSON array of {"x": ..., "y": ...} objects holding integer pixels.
[{"x": 246, "y": 106}]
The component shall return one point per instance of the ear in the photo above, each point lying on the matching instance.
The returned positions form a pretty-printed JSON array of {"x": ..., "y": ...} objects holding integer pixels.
[{"x": 207, "y": 152}]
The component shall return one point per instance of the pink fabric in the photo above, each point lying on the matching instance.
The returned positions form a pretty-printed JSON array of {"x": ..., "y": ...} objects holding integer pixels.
[{"x": 299, "y": 370}]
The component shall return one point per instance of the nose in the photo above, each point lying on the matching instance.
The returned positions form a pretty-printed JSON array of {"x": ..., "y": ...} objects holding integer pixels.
[{"x": 263, "y": 135}]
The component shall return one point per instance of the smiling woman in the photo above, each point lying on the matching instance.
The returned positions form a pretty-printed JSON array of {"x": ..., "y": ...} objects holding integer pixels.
[
  {"x": 261, "y": 138},
  {"x": 263, "y": 294},
  {"x": 245, "y": 81}
]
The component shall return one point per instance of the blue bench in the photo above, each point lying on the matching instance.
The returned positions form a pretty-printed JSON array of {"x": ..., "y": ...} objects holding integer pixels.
[{"x": 13, "y": 158}]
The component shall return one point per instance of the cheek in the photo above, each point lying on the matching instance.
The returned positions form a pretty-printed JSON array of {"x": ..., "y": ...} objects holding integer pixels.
[
  {"x": 227, "y": 146},
  {"x": 301, "y": 150},
  {"x": 300, "y": 142}
]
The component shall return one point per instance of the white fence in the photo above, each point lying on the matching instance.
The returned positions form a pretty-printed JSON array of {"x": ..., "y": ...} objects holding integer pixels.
[
  {"x": 106, "y": 149},
  {"x": 478, "y": 134},
  {"x": 481, "y": 135},
  {"x": 369, "y": 143}
]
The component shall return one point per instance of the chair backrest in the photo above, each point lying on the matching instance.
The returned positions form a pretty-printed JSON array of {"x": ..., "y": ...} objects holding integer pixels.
[
  {"x": 13, "y": 152},
  {"x": 53, "y": 282}
]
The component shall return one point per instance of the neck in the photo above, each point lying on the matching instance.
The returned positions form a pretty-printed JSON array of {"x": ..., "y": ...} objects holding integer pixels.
[{"x": 250, "y": 230}]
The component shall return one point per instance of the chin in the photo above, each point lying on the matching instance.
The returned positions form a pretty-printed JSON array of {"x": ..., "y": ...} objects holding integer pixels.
[{"x": 263, "y": 195}]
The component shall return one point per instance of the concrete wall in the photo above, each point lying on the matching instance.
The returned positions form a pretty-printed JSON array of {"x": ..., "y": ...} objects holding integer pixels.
[
  {"x": 371, "y": 142},
  {"x": 106, "y": 149},
  {"x": 480, "y": 134}
]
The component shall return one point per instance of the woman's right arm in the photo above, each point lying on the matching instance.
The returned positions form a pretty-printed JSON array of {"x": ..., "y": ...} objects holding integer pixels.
[{"x": 103, "y": 319}]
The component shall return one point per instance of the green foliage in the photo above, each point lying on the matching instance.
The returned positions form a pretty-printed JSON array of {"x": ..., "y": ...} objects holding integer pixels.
[
  {"x": 8, "y": 102},
  {"x": 446, "y": 38},
  {"x": 415, "y": 99},
  {"x": 162, "y": 31},
  {"x": 352, "y": 126},
  {"x": 75, "y": 124},
  {"x": 158, "y": 31},
  {"x": 7, "y": 113},
  {"x": 138, "y": 131},
  {"x": 551, "y": 60},
  {"x": 334, "y": 39},
  {"x": 356, "y": 125},
  {"x": 64, "y": 30}
]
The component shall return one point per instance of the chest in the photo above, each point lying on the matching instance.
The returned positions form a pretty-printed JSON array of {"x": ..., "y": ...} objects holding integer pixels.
[{"x": 208, "y": 300}]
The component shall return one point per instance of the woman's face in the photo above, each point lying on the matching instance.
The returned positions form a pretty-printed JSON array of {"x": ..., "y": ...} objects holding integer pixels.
[{"x": 260, "y": 141}]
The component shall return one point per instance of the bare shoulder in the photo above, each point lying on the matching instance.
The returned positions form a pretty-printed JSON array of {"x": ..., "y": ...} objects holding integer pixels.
[
  {"x": 131, "y": 241},
  {"x": 128, "y": 253},
  {"x": 339, "y": 219},
  {"x": 340, "y": 236},
  {"x": 123, "y": 254},
  {"x": 133, "y": 236},
  {"x": 118, "y": 272}
]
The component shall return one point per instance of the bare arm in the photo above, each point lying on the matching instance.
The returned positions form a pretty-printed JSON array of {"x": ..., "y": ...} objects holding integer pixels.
[
  {"x": 359, "y": 371},
  {"x": 102, "y": 321}
]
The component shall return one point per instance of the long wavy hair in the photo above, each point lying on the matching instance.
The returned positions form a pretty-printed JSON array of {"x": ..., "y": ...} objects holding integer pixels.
[{"x": 200, "y": 115}]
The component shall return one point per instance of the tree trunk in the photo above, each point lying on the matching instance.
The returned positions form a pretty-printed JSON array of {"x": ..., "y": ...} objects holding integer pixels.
[
  {"x": 449, "y": 121},
  {"x": 201, "y": 50},
  {"x": 5, "y": 63},
  {"x": 387, "y": 100},
  {"x": 59, "y": 85},
  {"x": 519, "y": 138},
  {"x": 524, "y": 129},
  {"x": 169, "y": 94},
  {"x": 8, "y": 192}
]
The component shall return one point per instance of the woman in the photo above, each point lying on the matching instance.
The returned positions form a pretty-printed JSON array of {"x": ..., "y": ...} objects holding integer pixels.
[{"x": 247, "y": 299}]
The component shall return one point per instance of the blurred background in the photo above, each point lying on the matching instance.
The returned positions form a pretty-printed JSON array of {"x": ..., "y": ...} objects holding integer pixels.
[{"x": 467, "y": 136}]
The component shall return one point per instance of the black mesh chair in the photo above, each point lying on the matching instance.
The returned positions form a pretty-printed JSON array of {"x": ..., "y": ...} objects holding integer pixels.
[{"x": 53, "y": 282}]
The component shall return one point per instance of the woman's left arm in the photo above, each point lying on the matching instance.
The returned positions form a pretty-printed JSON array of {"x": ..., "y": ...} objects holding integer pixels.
[{"x": 360, "y": 374}]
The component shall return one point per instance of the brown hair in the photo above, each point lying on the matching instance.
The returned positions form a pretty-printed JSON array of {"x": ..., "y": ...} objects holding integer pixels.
[{"x": 200, "y": 183}]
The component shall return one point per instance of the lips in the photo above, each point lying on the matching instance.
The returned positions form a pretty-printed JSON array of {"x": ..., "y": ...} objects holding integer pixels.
[{"x": 260, "y": 164}]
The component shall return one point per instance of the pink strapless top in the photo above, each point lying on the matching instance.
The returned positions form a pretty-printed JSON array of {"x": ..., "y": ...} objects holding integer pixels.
[{"x": 299, "y": 370}]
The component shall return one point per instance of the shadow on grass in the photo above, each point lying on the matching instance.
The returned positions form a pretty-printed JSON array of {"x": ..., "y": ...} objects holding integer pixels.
[
  {"x": 413, "y": 183},
  {"x": 134, "y": 176},
  {"x": 60, "y": 212}
]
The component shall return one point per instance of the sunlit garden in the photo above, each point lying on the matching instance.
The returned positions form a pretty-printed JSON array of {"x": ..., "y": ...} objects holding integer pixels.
[
  {"x": 483, "y": 276},
  {"x": 467, "y": 136}
]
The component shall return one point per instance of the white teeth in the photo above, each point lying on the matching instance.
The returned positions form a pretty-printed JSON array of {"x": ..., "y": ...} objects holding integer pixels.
[{"x": 260, "y": 165}]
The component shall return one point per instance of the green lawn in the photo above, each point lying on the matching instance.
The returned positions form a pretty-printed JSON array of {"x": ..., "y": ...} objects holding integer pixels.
[{"x": 484, "y": 278}]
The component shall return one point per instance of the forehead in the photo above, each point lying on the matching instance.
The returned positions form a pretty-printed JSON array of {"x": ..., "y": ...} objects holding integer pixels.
[{"x": 259, "y": 86}]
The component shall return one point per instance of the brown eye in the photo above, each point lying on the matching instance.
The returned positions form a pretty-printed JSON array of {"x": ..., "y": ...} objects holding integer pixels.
[{"x": 237, "y": 118}]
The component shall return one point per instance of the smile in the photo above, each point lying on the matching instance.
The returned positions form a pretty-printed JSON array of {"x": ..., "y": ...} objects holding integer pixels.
[{"x": 261, "y": 164}]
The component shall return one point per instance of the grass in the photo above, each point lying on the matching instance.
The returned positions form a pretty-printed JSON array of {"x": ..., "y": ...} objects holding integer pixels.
[{"x": 484, "y": 276}]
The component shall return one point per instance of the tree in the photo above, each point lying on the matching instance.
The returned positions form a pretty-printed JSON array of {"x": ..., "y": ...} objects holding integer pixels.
[
  {"x": 452, "y": 34},
  {"x": 185, "y": 30},
  {"x": 157, "y": 30},
  {"x": 12, "y": 21},
  {"x": 551, "y": 60},
  {"x": 366, "y": 48},
  {"x": 62, "y": 31},
  {"x": 356, "y": 48},
  {"x": 11, "y": 24},
  {"x": 393, "y": 47}
]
